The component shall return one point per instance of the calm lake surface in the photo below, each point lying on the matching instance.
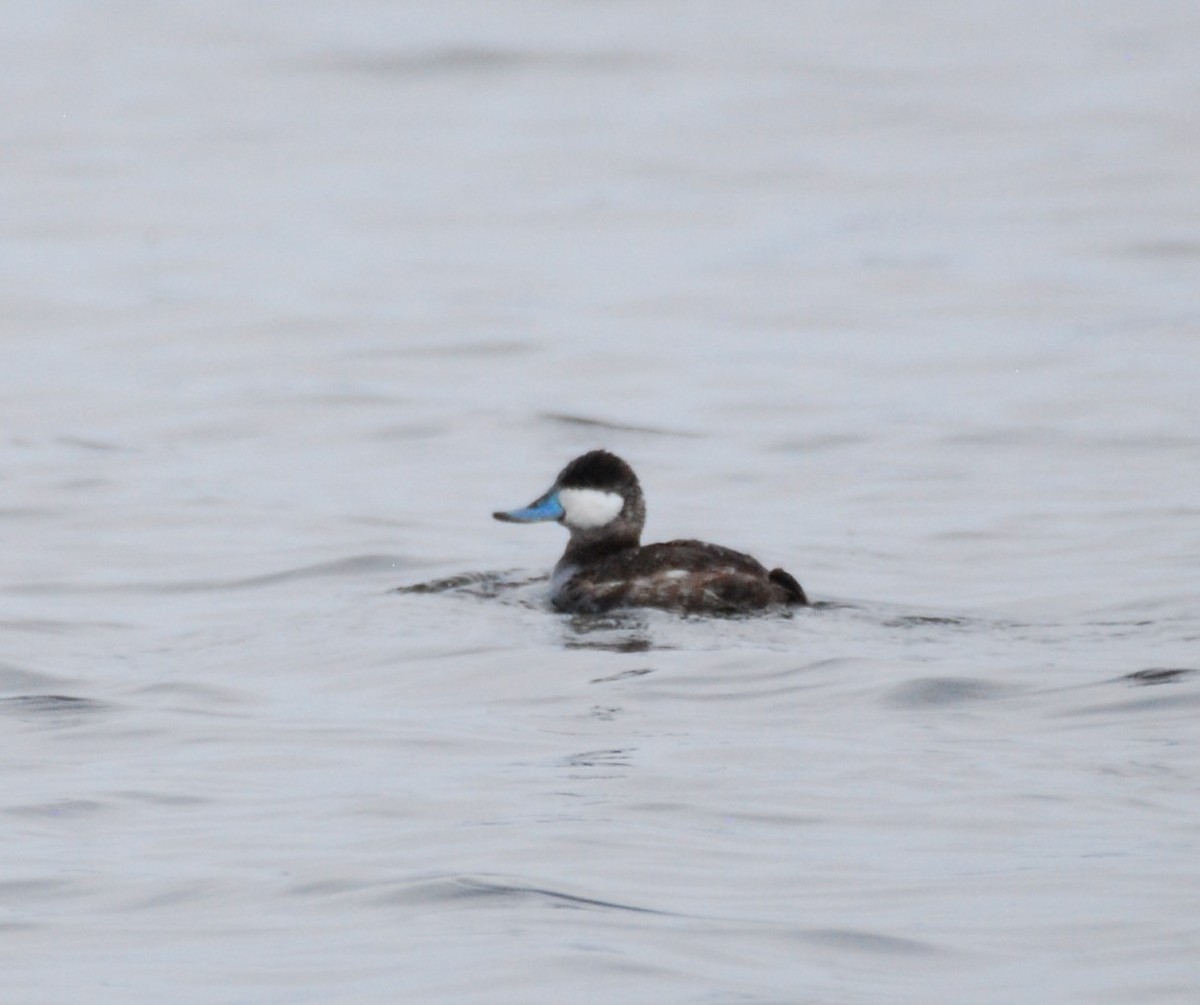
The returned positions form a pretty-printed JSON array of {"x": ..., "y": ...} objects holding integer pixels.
[{"x": 903, "y": 298}]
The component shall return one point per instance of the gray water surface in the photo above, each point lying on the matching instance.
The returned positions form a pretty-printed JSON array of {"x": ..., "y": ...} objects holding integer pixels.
[{"x": 902, "y": 298}]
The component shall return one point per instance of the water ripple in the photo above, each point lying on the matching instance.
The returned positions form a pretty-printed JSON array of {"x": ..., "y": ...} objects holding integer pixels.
[
  {"x": 458, "y": 61},
  {"x": 59, "y": 808},
  {"x": 618, "y": 427},
  {"x": 14, "y": 678},
  {"x": 869, "y": 942},
  {"x": 503, "y": 893},
  {"x": 57, "y": 706},
  {"x": 1159, "y": 675},
  {"x": 354, "y": 565},
  {"x": 923, "y": 692},
  {"x": 485, "y": 585}
]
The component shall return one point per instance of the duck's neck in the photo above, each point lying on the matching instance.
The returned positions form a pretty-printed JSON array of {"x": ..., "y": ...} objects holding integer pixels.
[{"x": 586, "y": 547}]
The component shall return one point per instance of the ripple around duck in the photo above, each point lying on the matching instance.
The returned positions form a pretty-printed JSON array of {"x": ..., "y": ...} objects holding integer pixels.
[
  {"x": 626, "y": 631},
  {"x": 630, "y": 644},
  {"x": 484, "y": 585},
  {"x": 924, "y": 620}
]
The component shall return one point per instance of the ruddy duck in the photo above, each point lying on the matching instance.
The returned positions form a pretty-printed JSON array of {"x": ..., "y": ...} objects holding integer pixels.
[{"x": 598, "y": 499}]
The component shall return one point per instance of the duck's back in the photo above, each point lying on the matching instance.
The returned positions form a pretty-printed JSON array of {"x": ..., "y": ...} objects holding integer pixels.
[{"x": 689, "y": 576}]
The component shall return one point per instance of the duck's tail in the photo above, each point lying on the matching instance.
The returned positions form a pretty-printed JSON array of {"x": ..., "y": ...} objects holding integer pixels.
[{"x": 787, "y": 582}]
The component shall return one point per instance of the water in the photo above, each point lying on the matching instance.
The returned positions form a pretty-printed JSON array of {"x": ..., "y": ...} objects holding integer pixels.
[{"x": 901, "y": 299}]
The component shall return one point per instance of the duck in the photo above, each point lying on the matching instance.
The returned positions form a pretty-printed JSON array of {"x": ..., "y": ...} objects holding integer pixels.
[{"x": 605, "y": 567}]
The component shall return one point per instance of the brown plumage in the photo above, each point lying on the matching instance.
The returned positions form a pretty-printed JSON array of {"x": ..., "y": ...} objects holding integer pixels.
[{"x": 598, "y": 498}]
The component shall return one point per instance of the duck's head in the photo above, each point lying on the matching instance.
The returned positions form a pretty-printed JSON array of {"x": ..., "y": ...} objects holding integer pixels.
[{"x": 596, "y": 496}]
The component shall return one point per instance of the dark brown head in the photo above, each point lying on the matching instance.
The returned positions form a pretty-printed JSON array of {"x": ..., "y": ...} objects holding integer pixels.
[{"x": 597, "y": 497}]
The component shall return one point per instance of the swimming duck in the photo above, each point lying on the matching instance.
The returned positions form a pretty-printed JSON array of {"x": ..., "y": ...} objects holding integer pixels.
[{"x": 597, "y": 497}]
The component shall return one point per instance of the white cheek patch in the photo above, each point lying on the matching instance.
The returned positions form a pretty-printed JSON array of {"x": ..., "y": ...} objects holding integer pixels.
[{"x": 585, "y": 509}]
